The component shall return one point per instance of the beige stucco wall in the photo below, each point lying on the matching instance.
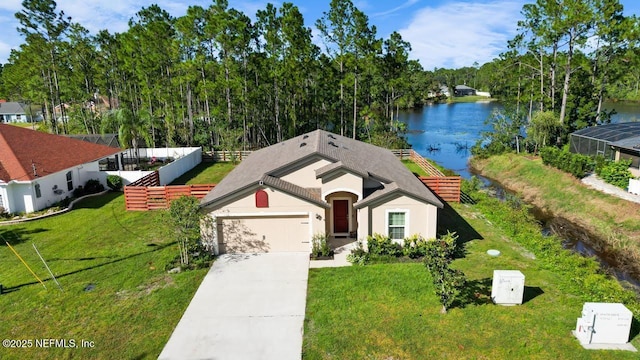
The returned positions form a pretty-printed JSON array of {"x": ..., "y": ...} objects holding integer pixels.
[
  {"x": 342, "y": 182},
  {"x": 306, "y": 175},
  {"x": 280, "y": 204},
  {"x": 422, "y": 218}
]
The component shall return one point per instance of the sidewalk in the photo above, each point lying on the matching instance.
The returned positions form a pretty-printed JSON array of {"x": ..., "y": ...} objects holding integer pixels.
[{"x": 595, "y": 182}]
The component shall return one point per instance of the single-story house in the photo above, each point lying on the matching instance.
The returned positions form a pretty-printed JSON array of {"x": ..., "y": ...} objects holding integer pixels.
[
  {"x": 613, "y": 141},
  {"x": 464, "y": 90},
  {"x": 38, "y": 169},
  {"x": 279, "y": 197},
  {"x": 14, "y": 112}
]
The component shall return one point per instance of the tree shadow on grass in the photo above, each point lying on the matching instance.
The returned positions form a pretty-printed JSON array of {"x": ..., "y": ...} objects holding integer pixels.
[
  {"x": 475, "y": 292},
  {"x": 17, "y": 236},
  {"x": 98, "y": 201},
  {"x": 156, "y": 248}
]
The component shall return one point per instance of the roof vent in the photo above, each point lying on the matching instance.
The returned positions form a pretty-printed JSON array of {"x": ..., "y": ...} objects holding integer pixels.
[
  {"x": 333, "y": 144},
  {"x": 303, "y": 144},
  {"x": 306, "y": 136},
  {"x": 331, "y": 136}
]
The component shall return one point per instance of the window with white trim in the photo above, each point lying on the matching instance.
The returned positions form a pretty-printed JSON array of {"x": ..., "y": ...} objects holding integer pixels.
[
  {"x": 69, "y": 181},
  {"x": 396, "y": 224},
  {"x": 1, "y": 203}
]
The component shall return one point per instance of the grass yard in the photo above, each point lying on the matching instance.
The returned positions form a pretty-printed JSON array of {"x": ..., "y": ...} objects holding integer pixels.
[
  {"x": 205, "y": 173},
  {"x": 614, "y": 220},
  {"x": 414, "y": 168},
  {"x": 389, "y": 311},
  {"x": 111, "y": 265}
]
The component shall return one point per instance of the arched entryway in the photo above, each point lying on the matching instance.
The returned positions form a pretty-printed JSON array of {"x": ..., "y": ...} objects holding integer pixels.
[{"x": 342, "y": 216}]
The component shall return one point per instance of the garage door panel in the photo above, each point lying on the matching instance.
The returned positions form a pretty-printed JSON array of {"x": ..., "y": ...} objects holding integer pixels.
[{"x": 263, "y": 234}]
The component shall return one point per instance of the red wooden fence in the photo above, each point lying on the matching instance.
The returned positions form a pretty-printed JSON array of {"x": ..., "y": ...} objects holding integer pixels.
[
  {"x": 447, "y": 187},
  {"x": 143, "y": 198}
]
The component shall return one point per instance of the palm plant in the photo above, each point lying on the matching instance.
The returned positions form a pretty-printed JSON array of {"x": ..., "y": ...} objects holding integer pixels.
[{"x": 131, "y": 128}]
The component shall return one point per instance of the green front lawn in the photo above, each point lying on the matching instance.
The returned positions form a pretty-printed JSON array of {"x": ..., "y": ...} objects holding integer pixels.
[
  {"x": 116, "y": 291},
  {"x": 389, "y": 311}
]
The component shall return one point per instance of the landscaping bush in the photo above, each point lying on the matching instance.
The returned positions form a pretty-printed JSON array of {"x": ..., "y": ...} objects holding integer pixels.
[
  {"x": 415, "y": 247},
  {"x": 615, "y": 172},
  {"x": 577, "y": 165},
  {"x": 114, "y": 182},
  {"x": 358, "y": 255},
  {"x": 383, "y": 245},
  {"x": 3, "y": 213},
  {"x": 447, "y": 282},
  {"x": 320, "y": 246}
]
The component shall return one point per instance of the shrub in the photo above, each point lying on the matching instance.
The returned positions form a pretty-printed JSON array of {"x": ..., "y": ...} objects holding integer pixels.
[
  {"x": 615, "y": 172},
  {"x": 358, "y": 256},
  {"x": 383, "y": 245},
  {"x": 447, "y": 282},
  {"x": 415, "y": 246},
  {"x": 319, "y": 246},
  {"x": 3, "y": 213},
  {"x": 577, "y": 165},
  {"x": 93, "y": 186},
  {"x": 114, "y": 182}
]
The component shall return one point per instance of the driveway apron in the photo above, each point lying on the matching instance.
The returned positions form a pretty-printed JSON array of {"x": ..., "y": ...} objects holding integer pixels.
[{"x": 249, "y": 306}]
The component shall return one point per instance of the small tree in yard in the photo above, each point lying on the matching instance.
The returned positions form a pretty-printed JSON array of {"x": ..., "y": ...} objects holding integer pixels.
[
  {"x": 447, "y": 282},
  {"x": 186, "y": 217}
]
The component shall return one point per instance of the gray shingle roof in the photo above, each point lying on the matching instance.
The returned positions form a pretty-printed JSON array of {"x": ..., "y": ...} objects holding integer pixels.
[
  {"x": 356, "y": 156},
  {"x": 11, "y": 108}
]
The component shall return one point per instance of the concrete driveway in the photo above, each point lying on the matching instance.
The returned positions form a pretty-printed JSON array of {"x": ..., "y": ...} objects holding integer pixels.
[{"x": 249, "y": 306}]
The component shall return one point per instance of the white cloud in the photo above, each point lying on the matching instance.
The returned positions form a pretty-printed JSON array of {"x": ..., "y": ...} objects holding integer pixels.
[
  {"x": 11, "y": 5},
  {"x": 458, "y": 34},
  {"x": 5, "y": 50},
  {"x": 402, "y": 6}
]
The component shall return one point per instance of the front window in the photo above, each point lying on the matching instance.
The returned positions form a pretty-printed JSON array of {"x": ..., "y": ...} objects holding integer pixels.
[
  {"x": 69, "y": 181},
  {"x": 38, "y": 192},
  {"x": 396, "y": 225}
]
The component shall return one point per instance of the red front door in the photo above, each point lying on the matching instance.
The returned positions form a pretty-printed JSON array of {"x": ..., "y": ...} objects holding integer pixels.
[{"x": 340, "y": 216}]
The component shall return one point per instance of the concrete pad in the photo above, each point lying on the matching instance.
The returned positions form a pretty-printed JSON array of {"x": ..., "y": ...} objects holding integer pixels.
[
  {"x": 625, "y": 347},
  {"x": 249, "y": 306}
]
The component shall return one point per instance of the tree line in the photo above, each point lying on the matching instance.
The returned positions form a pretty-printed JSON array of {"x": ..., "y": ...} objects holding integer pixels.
[{"x": 214, "y": 77}]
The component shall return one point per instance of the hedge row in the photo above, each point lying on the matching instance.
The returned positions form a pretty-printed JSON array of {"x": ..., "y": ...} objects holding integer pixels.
[{"x": 577, "y": 165}]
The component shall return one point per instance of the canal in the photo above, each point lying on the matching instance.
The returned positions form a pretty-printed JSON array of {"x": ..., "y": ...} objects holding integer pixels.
[{"x": 445, "y": 133}]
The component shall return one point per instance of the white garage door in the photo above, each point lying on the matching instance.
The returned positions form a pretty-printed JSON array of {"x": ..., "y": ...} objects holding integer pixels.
[{"x": 263, "y": 234}]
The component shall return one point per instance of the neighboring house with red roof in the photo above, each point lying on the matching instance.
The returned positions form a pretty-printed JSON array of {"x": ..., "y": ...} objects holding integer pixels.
[
  {"x": 279, "y": 197},
  {"x": 38, "y": 169}
]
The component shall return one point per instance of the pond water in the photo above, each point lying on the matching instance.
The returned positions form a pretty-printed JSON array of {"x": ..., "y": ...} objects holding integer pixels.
[{"x": 445, "y": 133}]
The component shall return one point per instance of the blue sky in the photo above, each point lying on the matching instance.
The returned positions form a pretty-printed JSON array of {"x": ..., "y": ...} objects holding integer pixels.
[{"x": 443, "y": 33}]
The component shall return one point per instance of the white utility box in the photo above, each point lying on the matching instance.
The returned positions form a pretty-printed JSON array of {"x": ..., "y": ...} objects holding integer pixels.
[
  {"x": 604, "y": 323},
  {"x": 507, "y": 287}
]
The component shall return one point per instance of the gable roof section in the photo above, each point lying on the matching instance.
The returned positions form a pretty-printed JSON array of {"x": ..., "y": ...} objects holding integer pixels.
[
  {"x": 23, "y": 149},
  {"x": 11, "y": 108},
  {"x": 353, "y": 155}
]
